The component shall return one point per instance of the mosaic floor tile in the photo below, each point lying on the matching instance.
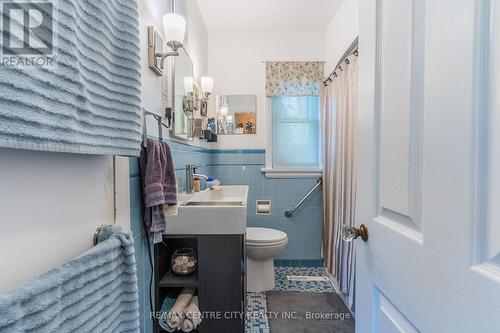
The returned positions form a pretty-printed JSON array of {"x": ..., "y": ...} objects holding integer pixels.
[
  {"x": 257, "y": 321},
  {"x": 282, "y": 284},
  {"x": 256, "y": 312}
]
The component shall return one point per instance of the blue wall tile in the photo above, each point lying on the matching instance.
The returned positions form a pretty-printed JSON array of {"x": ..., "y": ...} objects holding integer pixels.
[
  {"x": 237, "y": 167},
  {"x": 304, "y": 229}
]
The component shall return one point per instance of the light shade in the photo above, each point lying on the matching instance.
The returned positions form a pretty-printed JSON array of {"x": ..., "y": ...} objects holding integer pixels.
[
  {"x": 174, "y": 27},
  {"x": 188, "y": 84},
  {"x": 207, "y": 84}
]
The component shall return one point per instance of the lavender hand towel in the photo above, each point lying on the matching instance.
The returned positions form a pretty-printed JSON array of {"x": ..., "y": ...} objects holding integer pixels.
[
  {"x": 158, "y": 175},
  {"x": 155, "y": 170},
  {"x": 169, "y": 179}
]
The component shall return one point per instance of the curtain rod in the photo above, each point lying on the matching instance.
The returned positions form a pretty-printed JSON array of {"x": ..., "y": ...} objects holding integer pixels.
[{"x": 353, "y": 49}]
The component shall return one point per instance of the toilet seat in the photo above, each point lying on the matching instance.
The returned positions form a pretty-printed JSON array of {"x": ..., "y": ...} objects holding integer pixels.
[{"x": 265, "y": 237}]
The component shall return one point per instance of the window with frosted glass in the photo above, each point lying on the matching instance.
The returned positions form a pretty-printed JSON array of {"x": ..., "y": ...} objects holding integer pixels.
[{"x": 295, "y": 131}]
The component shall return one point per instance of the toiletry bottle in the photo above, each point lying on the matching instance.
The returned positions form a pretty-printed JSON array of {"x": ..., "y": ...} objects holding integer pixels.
[
  {"x": 209, "y": 183},
  {"x": 197, "y": 184}
]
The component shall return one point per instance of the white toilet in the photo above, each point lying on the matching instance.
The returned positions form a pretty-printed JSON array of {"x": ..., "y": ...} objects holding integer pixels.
[{"x": 262, "y": 246}]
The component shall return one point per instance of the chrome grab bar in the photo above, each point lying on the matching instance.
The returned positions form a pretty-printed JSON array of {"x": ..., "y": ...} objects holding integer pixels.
[{"x": 319, "y": 182}]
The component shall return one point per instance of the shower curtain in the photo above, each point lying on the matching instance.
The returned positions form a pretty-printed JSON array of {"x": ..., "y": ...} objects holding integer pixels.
[{"x": 339, "y": 104}]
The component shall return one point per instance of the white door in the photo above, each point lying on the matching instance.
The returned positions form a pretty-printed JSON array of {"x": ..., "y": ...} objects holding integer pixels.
[{"x": 429, "y": 166}]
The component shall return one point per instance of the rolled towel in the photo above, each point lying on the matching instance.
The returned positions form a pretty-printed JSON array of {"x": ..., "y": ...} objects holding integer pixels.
[
  {"x": 176, "y": 314},
  {"x": 192, "y": 311},
  {"x": 166, "y": 307},
  {"x": 187, "y": 325}
]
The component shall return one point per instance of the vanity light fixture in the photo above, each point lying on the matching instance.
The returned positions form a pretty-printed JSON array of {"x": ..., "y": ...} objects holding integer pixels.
[
  {"x": 189, "y": 101},
  {"x": 188, "y": 85},
  {"x": 192, "y": 101},
  {"x": 174, "y": 29},
  {"x": 207, "y": 85}
]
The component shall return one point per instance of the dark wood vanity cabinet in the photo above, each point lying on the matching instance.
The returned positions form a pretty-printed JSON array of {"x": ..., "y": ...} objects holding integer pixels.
[{"x": 219, "y": 279}]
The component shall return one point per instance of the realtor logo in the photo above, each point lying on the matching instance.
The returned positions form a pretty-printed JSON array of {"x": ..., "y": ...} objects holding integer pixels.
[{"x": 27, "y": 34}]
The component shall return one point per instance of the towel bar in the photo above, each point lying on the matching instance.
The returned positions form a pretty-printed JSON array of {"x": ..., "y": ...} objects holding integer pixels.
[
  {"x": 96, "y": 234},
  {"x": 161, "y": 124},
  {"x": 289, "y": 213}
]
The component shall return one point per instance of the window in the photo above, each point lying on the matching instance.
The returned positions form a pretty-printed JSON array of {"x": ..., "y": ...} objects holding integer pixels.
[{"x": 295, "y": 133}]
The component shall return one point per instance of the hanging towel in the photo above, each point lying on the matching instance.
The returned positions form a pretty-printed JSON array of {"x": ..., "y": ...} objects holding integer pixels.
[
  {"x": 89, "y": 102},
  {"x": 169, "y": 179},
  {"x": 95, "y": 292},
  {"x": 159, "y": 184}
]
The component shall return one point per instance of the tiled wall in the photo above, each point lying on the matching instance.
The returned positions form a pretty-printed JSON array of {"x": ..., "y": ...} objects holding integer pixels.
[
  {"x": 183, "y": 154},
  {"x": 237, "y": 167},
  {"x": 304, "y": 229},
  {"x": 141, "y": 250}
]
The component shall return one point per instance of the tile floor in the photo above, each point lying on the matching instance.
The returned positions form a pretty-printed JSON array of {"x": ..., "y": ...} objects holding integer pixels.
[{"x": 256, "y": 321}]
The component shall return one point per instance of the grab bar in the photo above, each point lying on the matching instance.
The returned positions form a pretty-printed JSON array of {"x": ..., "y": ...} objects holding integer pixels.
[{"x": 319, "y": 182}]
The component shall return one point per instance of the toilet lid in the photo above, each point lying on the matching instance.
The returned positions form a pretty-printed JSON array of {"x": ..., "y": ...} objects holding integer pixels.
[{"x": 264, "y": 235}]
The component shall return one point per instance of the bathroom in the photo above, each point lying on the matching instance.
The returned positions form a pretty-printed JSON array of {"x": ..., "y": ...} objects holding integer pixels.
[{"x": 249, "y": 166}]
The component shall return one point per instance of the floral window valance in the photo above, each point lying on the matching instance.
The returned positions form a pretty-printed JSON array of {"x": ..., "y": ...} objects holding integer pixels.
[{"x": 293, "y": 78}]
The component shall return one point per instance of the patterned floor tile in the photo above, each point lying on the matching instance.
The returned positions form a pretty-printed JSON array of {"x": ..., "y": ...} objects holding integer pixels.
[
  {"x": 282, "y": 284},
  {"x": 256, "y": 312},
  {"x": 257, "y": 321}
]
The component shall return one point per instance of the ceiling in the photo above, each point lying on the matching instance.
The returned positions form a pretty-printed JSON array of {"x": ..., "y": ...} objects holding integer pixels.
[{"x": 267, "y": 15}]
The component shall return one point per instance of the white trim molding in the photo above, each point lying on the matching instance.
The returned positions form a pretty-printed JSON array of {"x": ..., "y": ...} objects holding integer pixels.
[{"x": 292, "y": 173}]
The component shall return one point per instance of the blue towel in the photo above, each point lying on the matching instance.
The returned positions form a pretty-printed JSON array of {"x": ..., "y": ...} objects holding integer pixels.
[
  {"x": 95, "y": 292},
  {"x": 90, "y": 102},
  {"x": 167, "y": 305}
]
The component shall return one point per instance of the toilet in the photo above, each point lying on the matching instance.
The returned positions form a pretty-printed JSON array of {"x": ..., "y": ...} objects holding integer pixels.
[{"x": 262, "y": 246}]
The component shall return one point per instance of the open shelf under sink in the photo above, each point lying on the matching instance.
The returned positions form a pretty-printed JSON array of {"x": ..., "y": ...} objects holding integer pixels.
[{"x": 170, "y": 280}]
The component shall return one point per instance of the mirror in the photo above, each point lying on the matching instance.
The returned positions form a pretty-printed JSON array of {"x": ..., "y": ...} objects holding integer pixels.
[
  {"x": 173, "y": 81},
  {"x": 236, "y": 114}
]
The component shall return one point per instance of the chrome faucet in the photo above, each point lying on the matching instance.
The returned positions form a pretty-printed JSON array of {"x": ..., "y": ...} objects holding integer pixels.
[{"x": 190, "y": 174}]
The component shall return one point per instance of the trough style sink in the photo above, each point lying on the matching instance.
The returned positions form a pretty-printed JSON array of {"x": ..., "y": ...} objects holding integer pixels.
[{"x": 210, "y": 212}]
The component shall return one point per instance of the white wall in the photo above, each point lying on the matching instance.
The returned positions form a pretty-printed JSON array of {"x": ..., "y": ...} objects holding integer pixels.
[
  {"x": 51, "y": 203},
  {"x": 236, "y": 64},
  {"x": 196, "y": 45},
  {"x": 341, "y": 32}
]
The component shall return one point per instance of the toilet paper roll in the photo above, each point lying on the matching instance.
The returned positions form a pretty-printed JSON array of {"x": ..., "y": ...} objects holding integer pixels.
[{"x": 263, "y": 209}]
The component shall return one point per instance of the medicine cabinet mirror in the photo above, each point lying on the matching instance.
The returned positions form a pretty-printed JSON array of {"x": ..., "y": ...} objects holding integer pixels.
[{"x": 236, "y": 114}]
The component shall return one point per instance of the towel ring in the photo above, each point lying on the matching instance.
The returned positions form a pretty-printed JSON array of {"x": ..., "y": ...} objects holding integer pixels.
[{"x": 96, "y": 234}]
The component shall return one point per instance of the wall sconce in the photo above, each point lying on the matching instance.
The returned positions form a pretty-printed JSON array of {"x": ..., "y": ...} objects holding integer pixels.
[
  {"x": 174, "y": 27},
  {"x": 192, "y": 101},
  {"x": 207, "y": 86},
  {"x": 189, "y": 100}
]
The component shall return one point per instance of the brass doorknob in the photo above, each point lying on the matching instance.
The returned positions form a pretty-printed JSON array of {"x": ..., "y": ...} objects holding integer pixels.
[{"x": 350, "y": 233}]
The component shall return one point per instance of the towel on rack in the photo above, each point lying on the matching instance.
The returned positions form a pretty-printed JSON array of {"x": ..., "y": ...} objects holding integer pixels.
[
  {"x": 89, "y": 102},
  {"x": 159, "y": 184},
  {"x": 95, "y": 292}
]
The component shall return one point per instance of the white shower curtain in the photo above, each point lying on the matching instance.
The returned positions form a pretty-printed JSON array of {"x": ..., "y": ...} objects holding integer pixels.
[{"x": 339, "y": 104}]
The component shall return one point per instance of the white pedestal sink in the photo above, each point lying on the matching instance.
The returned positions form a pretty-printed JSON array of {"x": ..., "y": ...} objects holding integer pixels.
[{"x": 214, "y": 212}]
